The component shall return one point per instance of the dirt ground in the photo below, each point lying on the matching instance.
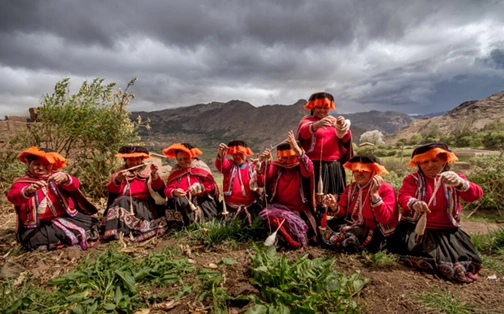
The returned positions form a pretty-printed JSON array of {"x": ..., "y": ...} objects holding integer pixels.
[{"x": 392, "y": 288}]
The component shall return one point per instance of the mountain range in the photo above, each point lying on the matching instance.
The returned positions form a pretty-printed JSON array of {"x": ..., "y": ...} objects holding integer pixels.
[{"x": 261, "y": 127}]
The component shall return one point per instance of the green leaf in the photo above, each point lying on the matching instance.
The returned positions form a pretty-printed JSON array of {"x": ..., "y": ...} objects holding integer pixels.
[
  {"x": 257, "y": 309},
  {"x": 92, "y": 308},
  {"x": 109, "y": 306},
  {"x": 77, "y": 297},
  {"x": 128, "y": 279},
  {"x": 228, "y": 261},
  {"x": 118, "y": 295}
]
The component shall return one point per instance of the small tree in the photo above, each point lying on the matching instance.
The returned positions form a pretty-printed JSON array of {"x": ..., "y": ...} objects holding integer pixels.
[
  {"x": 415, "y": 139},
  {"x": 87, "y": 128},
  {"x": 374, "y": 137}
]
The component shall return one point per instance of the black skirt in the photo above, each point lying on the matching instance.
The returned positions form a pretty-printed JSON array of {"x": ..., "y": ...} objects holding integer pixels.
[
  {"x": 344, "y": 235},
  {"x": 205, "y": 208},
  {"x": 447, "y": 252},
  {"x": 147, "y": 221},
  {"x": 52, "y": 235}
]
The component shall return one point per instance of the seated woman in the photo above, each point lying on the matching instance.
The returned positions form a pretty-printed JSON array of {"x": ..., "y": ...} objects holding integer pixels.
[
  {"x": 132, "y": 208},
  {"x": 191, "y": 184},
  {"x": 51, "y": 210},
  {"x": 288, "y": 182},
  {"x": 239, "y": 185},
  {"x": 429, "y": 235},
  {"x": 367, "y": 209}
]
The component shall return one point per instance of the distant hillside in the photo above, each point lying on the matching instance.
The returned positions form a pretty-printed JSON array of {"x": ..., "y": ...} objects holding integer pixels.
[
  {"x": 471, "y": 115},
  {"x": 215, "y": 122},
  {"x": 428, "y": 115}
]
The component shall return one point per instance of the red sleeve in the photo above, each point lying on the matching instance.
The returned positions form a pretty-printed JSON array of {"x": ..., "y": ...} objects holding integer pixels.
[
  {"x": 15, "y": 194},
  {"x": 407, "y": 192},
  {"x": 112, "y": 187},
  {"x": 305, "y": 130},
  {"x": 386, "y": 212},
  {"x": 473, "y": 193},
  {"x": 343, "y": 202},
  {"x": 73, "y": 184},
  {"x": 347, "y": 136},
  {"x": 157, "y": 184},
  {"x": 306, "y": 166},
  {"x": 226, "y": 164}
]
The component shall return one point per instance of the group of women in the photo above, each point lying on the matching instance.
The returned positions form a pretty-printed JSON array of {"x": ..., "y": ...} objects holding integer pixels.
[{"x": 304, "y": 195}]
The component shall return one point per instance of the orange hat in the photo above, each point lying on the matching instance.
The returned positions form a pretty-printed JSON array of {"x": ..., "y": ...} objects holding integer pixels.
[
  {"x": 48, "y": 154},
  {"x": 429, "y": 151},
  {"x": 131, "y": 151},
  {"x": 284, "y": 150},
  {"x": 323, "y": 100},
  {"x": 236, "y": 146},
  {"x": 171, "y": 151},
  {"x": 366, "y": 163}
]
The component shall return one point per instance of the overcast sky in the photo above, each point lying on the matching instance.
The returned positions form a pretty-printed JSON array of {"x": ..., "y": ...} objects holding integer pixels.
[{"x": 408, "y": 56}]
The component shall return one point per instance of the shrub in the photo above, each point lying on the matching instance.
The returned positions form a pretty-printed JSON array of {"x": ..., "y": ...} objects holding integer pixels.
[{"x": 489, "y": 174}]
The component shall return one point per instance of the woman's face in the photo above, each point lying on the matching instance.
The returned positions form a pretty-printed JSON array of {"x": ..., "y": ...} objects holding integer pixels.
[
  {"x": 287, "y": 160},
  {"x": 133, "y": 161},
  {"x": 183, "y": 159},
  {"x": 320, "y": 113},
  {"x": 361, "y": 177},
  {"x": 40, "y": 167},
  {"x": 432, "y": 167},
  {"x": 239, "y": 159}
]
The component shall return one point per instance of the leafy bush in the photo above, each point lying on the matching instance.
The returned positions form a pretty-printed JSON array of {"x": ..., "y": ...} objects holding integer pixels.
[
  {"x": 489, "y": 174},
  {"x": 87, "y": 128},
  {"x": 305, "y": 286}
]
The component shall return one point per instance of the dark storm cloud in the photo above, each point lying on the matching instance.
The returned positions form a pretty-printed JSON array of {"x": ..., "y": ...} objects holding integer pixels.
[{"x": 372, "y": 55}]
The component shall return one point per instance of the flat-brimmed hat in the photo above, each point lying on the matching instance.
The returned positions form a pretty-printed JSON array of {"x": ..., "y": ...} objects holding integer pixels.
[
  {"x": 171, "y": 151},
  {"x": 237, "y": 146},
  {"x": 365, "y": 163},
  {"x": 321, "y": 100},
  {"x": 429, "y": 151},
  {"x": 47, "y": 154},
  {"x": 131, "y": 151}
]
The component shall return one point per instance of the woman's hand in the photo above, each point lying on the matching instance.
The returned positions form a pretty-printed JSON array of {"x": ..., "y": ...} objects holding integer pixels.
[
  {"x": 58, "y": 177},
  {"x": 421, "y": 207},
  {"x": 179, "y": 193},
  {"x": 376, "y": 183},
  {"x": 266, "y": 155},
  {"x": 322, "y": 123},
  {"x": 32, "y": 188},
  {"x": 293, "y": 144},
  {"x": 154, "y": 170},
  {"x": 330, "y": 201},
  {"x": 222, "y": 150}
]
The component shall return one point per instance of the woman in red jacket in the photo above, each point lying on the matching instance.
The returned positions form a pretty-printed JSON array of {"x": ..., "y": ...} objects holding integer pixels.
[
  {"x": 51, "y": 210},
  {"x": 367, "y": 209},
  {"x": 429, "y": 235},
  {"x": 240, "y": 193},
  {"x": 133, "y": 209},
  {"x": 191, "y": 185}
]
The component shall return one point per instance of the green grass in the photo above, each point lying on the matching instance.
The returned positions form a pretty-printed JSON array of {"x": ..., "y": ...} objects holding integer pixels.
[
  {"x": 489, "y": 243},
  {"x": 443, "y": 302},
  {"x": 379, "y": 259},
  {"x": 214, "y": 232},
  {"x": 493, "y": 263}
]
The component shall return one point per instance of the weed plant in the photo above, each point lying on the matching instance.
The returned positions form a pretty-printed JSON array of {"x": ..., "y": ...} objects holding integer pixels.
[
  {"x": 112, "y": 282},
  {"x": 489, "y": 243},
  {"x": 301, "y": 286},
  {"x": 443, "y": 302},
  {"x": 214, "y": 232}
]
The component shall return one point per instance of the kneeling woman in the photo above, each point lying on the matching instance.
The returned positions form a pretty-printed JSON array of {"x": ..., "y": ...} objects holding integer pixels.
[
  {"x": 191, "y": 184},
  {"x": 367, "y": 209},
  {"x": 429, "y": 235},
  {"x": 133, "y": 191},
  {"x": 51, "y": 210}
]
